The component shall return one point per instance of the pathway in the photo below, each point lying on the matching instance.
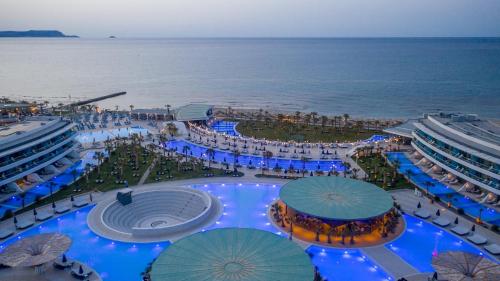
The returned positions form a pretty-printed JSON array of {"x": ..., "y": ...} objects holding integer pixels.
[{"x": 391, "y": 262}]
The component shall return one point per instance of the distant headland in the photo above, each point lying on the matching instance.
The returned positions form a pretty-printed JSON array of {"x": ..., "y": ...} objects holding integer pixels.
[{"x": 36, "y": 33}]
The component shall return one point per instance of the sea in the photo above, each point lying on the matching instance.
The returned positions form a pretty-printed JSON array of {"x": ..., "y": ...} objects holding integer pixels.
[{"x": 364, "y": 77}]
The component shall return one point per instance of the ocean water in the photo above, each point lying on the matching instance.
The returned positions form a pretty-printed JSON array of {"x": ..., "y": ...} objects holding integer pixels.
[{"x": 362, "y": 77}]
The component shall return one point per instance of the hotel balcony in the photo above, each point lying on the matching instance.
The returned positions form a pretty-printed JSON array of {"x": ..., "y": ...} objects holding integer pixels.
[
  {"x": 461, "y": 171},
  {"x": 36, "y": 151},
  {"x": 489, "y": 169},
  {"x": 37, "y": 164}
]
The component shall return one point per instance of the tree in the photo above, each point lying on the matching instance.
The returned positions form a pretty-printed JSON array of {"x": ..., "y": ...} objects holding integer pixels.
[
  {"x": 267, "y": 155},
  {"x": 324, "y": 121},
  {"x": 210, "y": 154},
  {"x": 185, "y": 150},
  {"x": 346, "y": 118}
]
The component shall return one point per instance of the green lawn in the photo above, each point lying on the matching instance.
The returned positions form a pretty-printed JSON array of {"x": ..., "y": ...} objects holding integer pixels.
[
  {"x": 167, "y": 169},
  {"x": 286, "y": 131},
  {"x": 121, "y": 158},
  {"x": 381, "y": 173}
]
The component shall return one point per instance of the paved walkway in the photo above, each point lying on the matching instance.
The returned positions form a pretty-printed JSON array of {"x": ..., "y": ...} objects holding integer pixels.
[{"x": 391, "y": 262}]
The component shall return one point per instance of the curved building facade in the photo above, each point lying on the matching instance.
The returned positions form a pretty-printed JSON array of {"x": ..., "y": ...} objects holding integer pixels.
[
  {"x": 33, "y": 150},
  {"x": 464, "y": 146}
]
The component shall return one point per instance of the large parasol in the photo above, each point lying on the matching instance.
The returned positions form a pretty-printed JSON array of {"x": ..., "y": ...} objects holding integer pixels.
[
  {"x": 458, "y": 266},
  {"x": 36, "y": 250}
]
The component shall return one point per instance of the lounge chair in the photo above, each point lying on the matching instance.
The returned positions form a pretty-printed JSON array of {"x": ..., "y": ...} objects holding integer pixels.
[
  {"x": 477, "y": 239},
  {"x": 4, "y": 233},
  {"x": 460, "y": 230},
  {"x": 62, "y": 209},
  {"x": 78, "y": 203},
  {"x": 422, "y": 214},
  {"x": 42, "y": 216},
  {"x": 493, "y": 249},
  {"x": 24, "y": 223},
  {"x": 443, "y": 222}
]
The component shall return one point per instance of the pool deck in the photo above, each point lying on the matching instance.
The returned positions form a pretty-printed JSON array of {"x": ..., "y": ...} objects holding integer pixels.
[
  {"x": 389, "y": 261},
  {"x": 408, "y": 201}
]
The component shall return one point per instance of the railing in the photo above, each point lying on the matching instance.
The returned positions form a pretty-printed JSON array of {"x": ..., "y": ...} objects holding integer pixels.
[
  {"x": 34, "y": 150},
  {"x": 20, "y": 169},
  {"x": 460, "y": 155},
  {"x": 457, "y": 167}
]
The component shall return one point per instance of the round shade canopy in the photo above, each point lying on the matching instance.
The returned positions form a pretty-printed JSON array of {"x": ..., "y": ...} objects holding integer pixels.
[
  {"x": 456, "y": 265},
  {"x": 233, "y": 254},
  {"x": 336, "y": 198},
  {"x": 35, "y": 250}
]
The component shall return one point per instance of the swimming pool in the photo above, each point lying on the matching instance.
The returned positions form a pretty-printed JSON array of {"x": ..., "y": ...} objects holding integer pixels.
[
  {"x": 341, "y": 265},
  {"x": 114, "y": 261},
  {"x": 43, "y": 189},
  {"x": 226, "y": 127},
  {"x": 422, "y": 240},
  {"x": 257, "y": 161},
  {"x": 105, "y": 134},
  {"x": 445, "y": 193},
  {"x": 245, "y": 205}
]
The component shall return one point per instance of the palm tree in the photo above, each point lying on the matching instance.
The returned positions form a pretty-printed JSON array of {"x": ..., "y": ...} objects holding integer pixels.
[
  {"x": 346, "y": 118},
  {"x": 185, "y": 150},
  {"x": 324, "y": 121},
  {"x": 267, "y": 155},
  {"x": 210, "y": 154}
]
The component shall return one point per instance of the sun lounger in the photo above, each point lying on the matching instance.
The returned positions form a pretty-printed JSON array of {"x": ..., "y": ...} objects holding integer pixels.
[
  {"x": 4, "y": 233},
  {"x": 422, "y": 214},
  {"x": 477, "y": 239},
  {"x": 62, "y": 209},
  {"x": 460, "y": 230},
  {"x": 42, "y": 216},
  {"x": 443, "y": 222},
  {"x": 80, "y": 203},
  {"x": 493, "y": 249},
  {"x": 23, "y": 224}
]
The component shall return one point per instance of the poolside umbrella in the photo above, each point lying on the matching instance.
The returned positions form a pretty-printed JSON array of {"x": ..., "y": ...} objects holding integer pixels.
[
  {"x": 53, "y": 205},
  {"x": 438, "y": 213},
  {"x": 473, "y": 228},
  {"x": 419, "y": 205},
  {"x": 15, "y": 220},
  {"x": 35, "y": 250},
  {"x": 72, "y": 198},
  {"x": 35, "y": 212},
  {"x": 456, "y": 220},
  {"x": 80, "y": 269},
  {"x": 462, "y": 266},
  {"x": 64, "y": 258}
]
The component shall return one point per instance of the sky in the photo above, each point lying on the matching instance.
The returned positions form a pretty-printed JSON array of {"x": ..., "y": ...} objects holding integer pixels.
[{"x": 255, "y": 18}]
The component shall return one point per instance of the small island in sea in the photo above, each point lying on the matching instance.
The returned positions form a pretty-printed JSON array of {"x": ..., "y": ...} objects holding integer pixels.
[{"x": 36, "y": 33}]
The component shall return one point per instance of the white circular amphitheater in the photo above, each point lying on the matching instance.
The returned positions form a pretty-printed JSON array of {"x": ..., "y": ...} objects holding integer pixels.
[{"x": 154, "y": 215}]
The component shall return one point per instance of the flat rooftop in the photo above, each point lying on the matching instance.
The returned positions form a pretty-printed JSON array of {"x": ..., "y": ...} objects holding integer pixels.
[
  {"x": 19, "y": 127},
  {"x": 484, "y": 129}
]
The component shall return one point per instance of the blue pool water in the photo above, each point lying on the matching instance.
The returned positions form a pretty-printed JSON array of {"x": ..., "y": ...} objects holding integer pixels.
[
  {"x": 342, "y": 265},
  {"x": 422, "y": 240},
  {"x": 43, "y": 189},
  {"x": 244, "y": 160},
  {"x": 225, "y": 127},
  {"x": 245, "y": 205},
  {"x": 445, "y": 193},
  {"x": 114, "y": 261},
  {"x": 98, "y": 136}
]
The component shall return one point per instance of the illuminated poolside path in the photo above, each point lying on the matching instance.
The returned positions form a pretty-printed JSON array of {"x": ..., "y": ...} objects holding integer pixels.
[
  {"x": 422, "y": 240},
  {"x": 445, "y": 193},
  {"x": 245, "y": 205}
]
